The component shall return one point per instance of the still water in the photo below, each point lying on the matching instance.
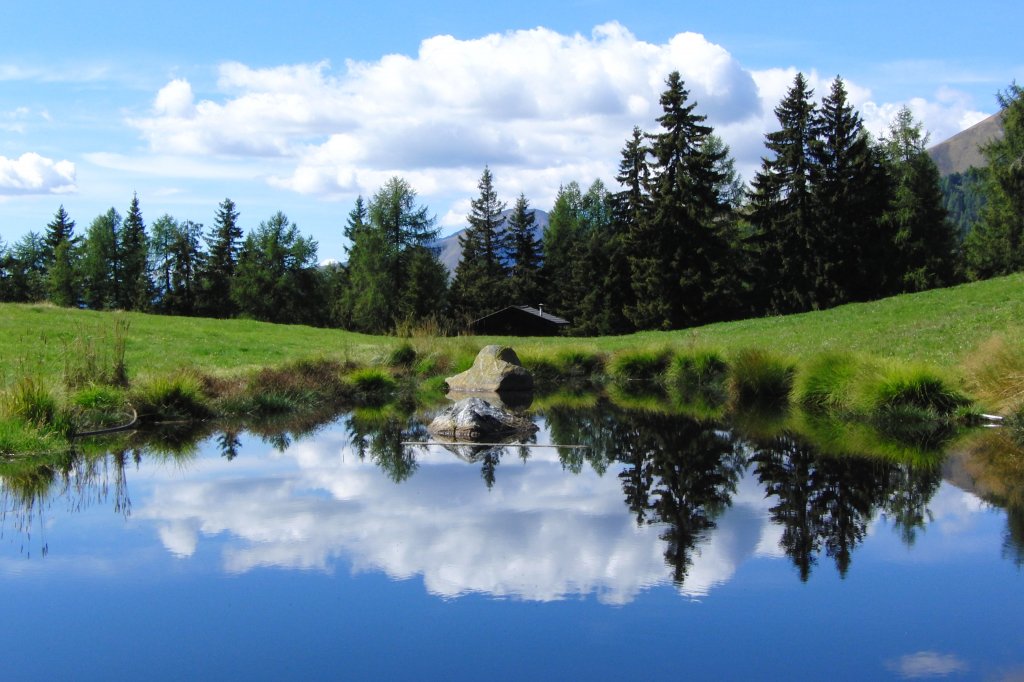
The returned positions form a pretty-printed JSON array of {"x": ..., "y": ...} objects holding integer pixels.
[{"x": 659, "y": 549}]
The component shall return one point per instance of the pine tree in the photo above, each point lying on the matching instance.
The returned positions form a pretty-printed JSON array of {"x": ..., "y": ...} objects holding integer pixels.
[
  {"x": 524, "y": 255},
  {"x": 135, "y": 287},
  {"x": 177, "y": 262},
  {"x": 996, "y": 245},
  {"x": 675, "y": 248},
  {"x": 223, "y": 243},
  {"x": 479, "y": 284},
  {"x": 783, "y": 207},
  {"x": 926, "y": 248}
]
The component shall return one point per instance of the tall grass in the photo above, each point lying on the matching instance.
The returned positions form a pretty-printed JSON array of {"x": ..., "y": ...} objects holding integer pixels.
[
  {"x": 995, "y": 373},
  {"x": 759, "y": 379}
]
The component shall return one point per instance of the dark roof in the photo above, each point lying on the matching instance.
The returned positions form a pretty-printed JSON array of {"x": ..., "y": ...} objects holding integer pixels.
[{"x": 547, "y": 317}]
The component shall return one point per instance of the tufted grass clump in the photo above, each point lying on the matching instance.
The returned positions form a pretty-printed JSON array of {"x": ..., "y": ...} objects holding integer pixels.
[
  {"x": 402, "y": 356},
  {"x": 828, "y": 383},
  {"x": 639, "y": 365},
  {"x": 174, "y": 397},
  {"x": 758, "y": 378},
  {"x": 373, "y": 386},
  {"x": 913, "y": 389}
]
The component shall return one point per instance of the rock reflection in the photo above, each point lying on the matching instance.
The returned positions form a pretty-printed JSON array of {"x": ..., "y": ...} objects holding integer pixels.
[{"x": 607, "y": 501}]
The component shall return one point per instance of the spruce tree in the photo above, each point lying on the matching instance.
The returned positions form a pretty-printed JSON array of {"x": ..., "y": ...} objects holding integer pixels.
[
  {"x": 134, "y": 285},
  {"x": 783, "y": 207},
  {"x": 846, "y": 243},
  {"x": 925, "y": 243},
  {"x": 61, "y": 247},
  {"x": 675, "y": 248},
  {"x": 223, "y": 243},
  {"x": 524, "y": 255},
  {"x": 479, "y": 284}
]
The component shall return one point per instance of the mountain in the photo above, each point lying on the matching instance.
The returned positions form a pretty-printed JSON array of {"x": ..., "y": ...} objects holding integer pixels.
[
  {"x": 963, "y": 150},
  {"x": 450, "y": 251}
]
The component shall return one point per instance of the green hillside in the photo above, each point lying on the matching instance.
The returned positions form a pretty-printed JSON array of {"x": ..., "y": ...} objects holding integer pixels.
[{"x": 938, "y": 327}]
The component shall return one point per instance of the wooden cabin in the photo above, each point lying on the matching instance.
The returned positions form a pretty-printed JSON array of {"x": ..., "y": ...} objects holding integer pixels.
[{"x": 519, "y": 320}]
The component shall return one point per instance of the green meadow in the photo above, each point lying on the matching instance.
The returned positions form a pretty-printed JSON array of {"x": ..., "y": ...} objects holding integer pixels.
[{"x": 934, "y": 353}]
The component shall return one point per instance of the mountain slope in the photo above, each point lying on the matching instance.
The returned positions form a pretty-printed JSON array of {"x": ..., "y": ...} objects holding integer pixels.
[
  {"x": 963, "y": 150},
  {"x": 450, "y": 251}
]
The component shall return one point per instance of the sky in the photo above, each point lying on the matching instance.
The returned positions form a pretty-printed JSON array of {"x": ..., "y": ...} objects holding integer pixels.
[{"x": 301, "y": 107}]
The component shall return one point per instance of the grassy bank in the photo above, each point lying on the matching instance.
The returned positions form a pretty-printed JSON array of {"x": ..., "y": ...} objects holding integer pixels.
[{"x": 912, "y": 356}]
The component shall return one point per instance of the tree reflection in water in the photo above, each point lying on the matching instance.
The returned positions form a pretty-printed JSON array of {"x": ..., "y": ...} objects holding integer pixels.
[{"x": 675, "y": 473}]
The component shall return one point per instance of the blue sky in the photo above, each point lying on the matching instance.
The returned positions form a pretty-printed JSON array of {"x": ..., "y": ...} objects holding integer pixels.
[{"x": 301, "y": 106}]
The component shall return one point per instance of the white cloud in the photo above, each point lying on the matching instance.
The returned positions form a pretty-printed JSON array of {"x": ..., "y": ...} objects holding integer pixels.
[
  {"x": 928, "y": 664},
  {"x": 34, "y": 174},
  {"x": 540, "y": 107}
]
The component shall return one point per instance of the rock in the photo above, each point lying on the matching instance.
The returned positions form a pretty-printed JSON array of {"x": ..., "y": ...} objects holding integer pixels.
[
  {"x": 496, "y": 369},
  {"x": 475, "y": 419}
]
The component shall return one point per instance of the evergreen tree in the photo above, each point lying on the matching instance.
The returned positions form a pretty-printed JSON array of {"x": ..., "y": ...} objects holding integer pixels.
[
  {"x": 101, "y": 265},
  {"x": 675, "y": 248},
  {"x": 223, "y": 243},
  {"x": 276, "y": 279},
  {"x": 996, "y": 245},
  {"x": 26, "y": 280},
  {"x": 370, "y": 298},
  {"x": 61, "y": 247},
  {"x": 177, "y": 261},
  {"x": 783, "y": 209},
  {"x": 524, "y": 255},
  {"x": 134, "y": 287},
  {"x": 562, "y": 242},
  {"x": 926, "y": 245},
  {"x": 391, "y": 261},
  {"x": 479, "y": 284},
  {"x": 845, "y": 242}
]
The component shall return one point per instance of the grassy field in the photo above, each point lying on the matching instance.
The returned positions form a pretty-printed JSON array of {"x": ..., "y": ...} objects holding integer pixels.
[{"x": 939, "y": 328}]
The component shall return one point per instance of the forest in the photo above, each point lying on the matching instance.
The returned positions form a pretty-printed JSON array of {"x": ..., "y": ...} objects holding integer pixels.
[{"x": 832, "y": 216}]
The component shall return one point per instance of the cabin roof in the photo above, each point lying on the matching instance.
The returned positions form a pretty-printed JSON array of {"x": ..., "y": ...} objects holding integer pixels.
[{"x": 536, "y": 312}]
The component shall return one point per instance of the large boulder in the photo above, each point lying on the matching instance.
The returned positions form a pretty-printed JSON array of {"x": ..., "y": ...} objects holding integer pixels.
[
  {"x": 475, "y": 419},
  {"x": 496, "y": 369}
]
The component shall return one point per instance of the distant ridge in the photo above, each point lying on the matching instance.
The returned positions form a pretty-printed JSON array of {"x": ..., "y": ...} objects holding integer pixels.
[
  {"x": 963, "y": 150},
  {"x": 450, "y": 251}
]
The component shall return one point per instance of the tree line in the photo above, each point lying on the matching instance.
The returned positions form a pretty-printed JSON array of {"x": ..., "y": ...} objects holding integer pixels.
[{"x": 831, "y": 216}]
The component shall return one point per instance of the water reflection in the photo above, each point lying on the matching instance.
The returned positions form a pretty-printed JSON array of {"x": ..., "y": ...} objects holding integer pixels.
[{"x": 620, "y": 501}]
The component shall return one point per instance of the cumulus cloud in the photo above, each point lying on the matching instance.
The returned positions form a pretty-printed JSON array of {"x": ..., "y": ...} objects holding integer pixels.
[
  {"x": 34, "y": 174},
  {"x": 540, "y": 107}
]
